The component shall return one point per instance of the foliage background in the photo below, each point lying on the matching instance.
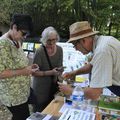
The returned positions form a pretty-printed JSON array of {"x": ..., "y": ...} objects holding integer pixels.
[{"x": 104, "y": 15}]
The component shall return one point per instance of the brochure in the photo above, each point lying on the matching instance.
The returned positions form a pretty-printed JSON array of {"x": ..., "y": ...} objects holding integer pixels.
[
  {"x": 36, "y": 116},
  {"x": 109, "y": 117},
  {"x": 109, "y": 105},
  {"x": 74, "y": 114},
  {"x": 39, "y": 116}
]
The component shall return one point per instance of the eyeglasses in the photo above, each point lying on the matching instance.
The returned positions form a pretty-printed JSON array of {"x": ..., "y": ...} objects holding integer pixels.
[
  {"x": 24, "y": 33},
  {"x": 51, "y": 41},
  {"x": 75, "y": 43}
]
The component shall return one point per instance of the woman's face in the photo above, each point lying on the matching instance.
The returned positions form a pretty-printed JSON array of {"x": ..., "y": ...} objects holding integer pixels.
[
  {"x": 52, "y": 39},
  {"x": 18, "y": 34}
]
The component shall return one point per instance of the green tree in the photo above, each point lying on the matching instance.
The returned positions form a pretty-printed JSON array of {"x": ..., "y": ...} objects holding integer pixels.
[{"x": 102, "y": 14}]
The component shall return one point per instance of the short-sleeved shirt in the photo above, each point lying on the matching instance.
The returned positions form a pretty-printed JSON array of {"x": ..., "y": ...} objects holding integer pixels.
[
  {"x": 14, "y": 90},
  {"x": 106, "y": 62}
]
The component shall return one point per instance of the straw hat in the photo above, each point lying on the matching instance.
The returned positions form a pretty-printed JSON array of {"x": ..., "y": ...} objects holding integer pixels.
[{"x": 80, "y": 30}]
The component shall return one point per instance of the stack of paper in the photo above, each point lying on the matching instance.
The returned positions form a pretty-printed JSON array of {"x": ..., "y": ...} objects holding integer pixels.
[
  {"x": 36, "y": 116},
  {"x": 39, "y": 116},
  {"x": 74, "y": 114}
]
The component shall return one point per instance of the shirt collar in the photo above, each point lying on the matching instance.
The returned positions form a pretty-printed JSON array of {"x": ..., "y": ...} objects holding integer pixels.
[{"x": 95, "y": 42}]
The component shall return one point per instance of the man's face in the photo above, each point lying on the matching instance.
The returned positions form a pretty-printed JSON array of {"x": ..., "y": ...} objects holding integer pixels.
[{"x": 83, "y": 45}]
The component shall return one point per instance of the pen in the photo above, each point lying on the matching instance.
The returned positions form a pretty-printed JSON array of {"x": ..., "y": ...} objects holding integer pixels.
[{"x": 69, "y": 117}]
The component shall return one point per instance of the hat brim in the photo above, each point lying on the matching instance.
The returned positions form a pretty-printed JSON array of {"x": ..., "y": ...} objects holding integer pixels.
[{"x": 82, "y": 36}]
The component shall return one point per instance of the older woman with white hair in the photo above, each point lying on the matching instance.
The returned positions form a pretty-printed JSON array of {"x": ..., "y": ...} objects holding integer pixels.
[{"x": 49, "y": 58}]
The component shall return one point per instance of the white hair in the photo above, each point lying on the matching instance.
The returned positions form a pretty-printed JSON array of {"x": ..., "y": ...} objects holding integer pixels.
[{"x": 46, "y": 33}]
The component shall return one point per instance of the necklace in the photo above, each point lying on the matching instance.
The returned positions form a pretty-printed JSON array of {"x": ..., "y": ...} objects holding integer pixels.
[{"x": 16, "y": 43}]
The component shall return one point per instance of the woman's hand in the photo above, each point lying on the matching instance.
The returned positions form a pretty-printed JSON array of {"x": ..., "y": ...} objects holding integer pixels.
[
  {"x": 30, "y": 69},
  {"x": 35, "y": 67},
  {"x": 56, "y": 72}
]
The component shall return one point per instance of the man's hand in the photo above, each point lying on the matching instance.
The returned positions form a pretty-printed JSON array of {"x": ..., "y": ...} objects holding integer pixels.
[
  {"x": 66, "y": 89},
  {"x": 68, "y": 75}
]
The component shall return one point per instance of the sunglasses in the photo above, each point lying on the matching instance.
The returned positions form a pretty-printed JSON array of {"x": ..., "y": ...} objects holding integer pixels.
[{"x": 24, "y": 33}]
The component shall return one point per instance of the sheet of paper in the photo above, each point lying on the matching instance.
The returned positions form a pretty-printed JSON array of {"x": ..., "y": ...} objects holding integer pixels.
[
  {"x": 64, "y": 107},
  {"x": 74, "y": 114},
  {"x": 47, "y": 117}
]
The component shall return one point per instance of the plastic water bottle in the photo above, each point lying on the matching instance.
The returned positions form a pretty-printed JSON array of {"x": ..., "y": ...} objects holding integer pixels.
[{"x": 77, "y": 97}]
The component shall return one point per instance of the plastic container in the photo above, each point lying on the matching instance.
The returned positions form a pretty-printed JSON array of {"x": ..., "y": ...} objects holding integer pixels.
[{"x": 77, "y": 97}]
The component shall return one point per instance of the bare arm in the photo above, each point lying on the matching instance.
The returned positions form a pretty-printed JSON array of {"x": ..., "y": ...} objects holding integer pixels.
[
  {"x": 54, "y": 71},
  {"x": 90, "y": 93},
  {"x": 23, "y": 71},
  {"x": 43, "y": 73},
  {"x": 83, "y": 70},
  {"x": 13, "y": 73},
  {"x": 93, "y": 93}
]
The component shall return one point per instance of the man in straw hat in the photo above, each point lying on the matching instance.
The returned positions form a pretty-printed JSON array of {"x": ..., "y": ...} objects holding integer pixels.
[{"x": 104, "y": 66}]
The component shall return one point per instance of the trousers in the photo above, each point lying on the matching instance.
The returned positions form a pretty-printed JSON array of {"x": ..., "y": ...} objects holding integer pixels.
[
  {"x": 19, "y": 112},
  {"x": 115, "y": 89}
]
